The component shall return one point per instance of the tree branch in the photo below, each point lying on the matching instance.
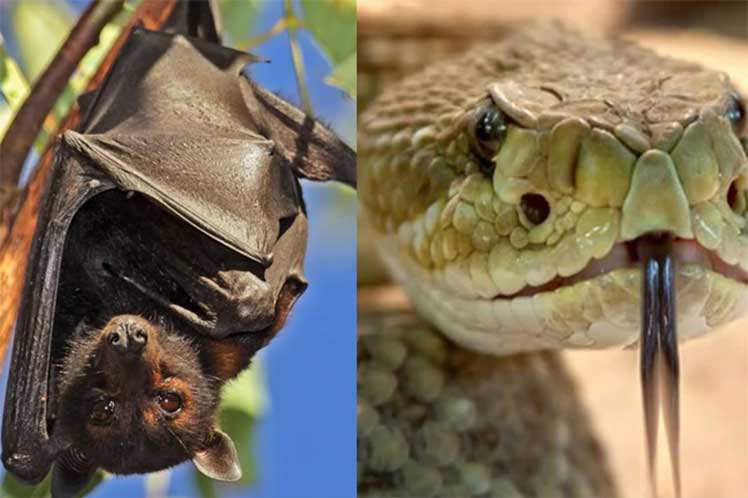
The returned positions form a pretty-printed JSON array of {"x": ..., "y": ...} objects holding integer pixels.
[{"x": 30, "y": 117}]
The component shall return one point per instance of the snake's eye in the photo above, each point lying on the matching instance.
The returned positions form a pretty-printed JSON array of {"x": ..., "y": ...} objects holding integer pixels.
[
  {"x": 736, "y": 114},
  {"x": 102, "y": 411},
  {"x": 535, "y": 208},
  {"x": 488, "y": 132}
]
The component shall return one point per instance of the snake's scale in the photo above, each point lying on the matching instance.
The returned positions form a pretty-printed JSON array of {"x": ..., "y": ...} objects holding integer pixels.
[{"x": 435, "y": 419}]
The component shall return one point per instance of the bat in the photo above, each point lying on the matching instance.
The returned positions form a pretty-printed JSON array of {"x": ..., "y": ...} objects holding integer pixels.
[{"x": 169, "y": 249}]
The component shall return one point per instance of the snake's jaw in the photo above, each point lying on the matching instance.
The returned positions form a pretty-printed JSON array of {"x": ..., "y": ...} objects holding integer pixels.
[{"x": 659, "y": 361}]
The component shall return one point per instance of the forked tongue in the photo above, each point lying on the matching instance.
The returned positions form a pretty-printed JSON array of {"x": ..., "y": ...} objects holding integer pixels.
[{"x": 659, "y": 351}]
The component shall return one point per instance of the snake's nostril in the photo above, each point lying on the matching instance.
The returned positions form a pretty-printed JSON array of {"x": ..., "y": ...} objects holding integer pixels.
[
  {"x": 737, "y": 196},
  {"x": 535, "y": 207}
]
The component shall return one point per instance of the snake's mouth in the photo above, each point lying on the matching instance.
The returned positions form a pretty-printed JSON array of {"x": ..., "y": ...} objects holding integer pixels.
[
  {"x": 657, "y": 255},
  {"x": 625, "y": 255},
  {"x": 651, "y": 292}
]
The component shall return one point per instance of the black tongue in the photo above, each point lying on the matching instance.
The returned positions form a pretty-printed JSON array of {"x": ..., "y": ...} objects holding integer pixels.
[{"x": 659, "y": 352}]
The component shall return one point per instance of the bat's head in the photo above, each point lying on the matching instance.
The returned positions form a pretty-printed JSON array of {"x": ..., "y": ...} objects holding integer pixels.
[{"x": 137, "y": 397}]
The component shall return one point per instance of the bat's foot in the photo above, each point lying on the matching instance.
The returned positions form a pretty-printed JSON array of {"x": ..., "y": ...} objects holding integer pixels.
[{"x": 70, "y": 475}]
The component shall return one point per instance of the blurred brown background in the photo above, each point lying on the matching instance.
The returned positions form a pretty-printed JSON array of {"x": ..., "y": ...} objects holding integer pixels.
[{"x": 714, "y": 369}]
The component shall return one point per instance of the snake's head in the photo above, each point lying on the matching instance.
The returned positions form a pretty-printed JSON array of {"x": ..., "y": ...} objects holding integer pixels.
[{"x": 511, "y": 193}]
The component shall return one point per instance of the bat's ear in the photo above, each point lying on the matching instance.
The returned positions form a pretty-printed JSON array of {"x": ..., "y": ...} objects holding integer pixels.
[
  {"x": 292, "y": 289},
  {"x": 218, "y": 460},
  {"x": 313, "y": 151},
  {"x": 70, "y": 474}
]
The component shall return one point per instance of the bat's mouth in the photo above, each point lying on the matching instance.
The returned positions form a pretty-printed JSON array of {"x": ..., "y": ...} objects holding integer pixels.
[{"x": 177, "y": 299}]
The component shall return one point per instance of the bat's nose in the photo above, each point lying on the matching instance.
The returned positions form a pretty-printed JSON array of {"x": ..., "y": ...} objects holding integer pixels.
[{"x": 129, "y": 337}]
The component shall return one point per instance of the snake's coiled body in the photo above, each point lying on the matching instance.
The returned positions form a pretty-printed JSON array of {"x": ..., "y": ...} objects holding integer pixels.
[{"x": 438, "y": 420}]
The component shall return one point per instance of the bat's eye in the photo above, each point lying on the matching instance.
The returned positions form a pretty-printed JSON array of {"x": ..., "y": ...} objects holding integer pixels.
[
  {"x": 488, "y": 130},
  {"x": 736, "y": 114},
  {"x": 170, "y": 402},
  {"x": 535, "y": 208},
  {"x": 102, "y": 411}
]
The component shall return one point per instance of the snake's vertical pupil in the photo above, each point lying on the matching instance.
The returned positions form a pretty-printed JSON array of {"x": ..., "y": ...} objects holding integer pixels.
[
  {"x": 488, "y": 134},
  {"x": 535, "y": 208},
  {"x": 491, "y": 126},
  {"x": 736, "y": 114}
]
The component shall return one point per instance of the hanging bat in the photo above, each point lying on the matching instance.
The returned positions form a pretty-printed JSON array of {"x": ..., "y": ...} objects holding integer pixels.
[{"x": 169, "y": 249}]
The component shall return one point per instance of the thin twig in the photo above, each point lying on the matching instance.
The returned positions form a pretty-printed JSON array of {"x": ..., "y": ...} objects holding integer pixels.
[
  {"x": 298, "y": 63},
  {"x": 30, "y": 117},
  {"x": 278, "y": 28}
]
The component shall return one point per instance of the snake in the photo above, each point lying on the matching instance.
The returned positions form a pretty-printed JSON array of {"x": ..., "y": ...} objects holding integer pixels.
[{"x": 557, "y": 191}]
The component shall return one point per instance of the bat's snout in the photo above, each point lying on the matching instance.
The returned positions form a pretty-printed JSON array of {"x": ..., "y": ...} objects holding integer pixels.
[{"x": 129, "y": 336}]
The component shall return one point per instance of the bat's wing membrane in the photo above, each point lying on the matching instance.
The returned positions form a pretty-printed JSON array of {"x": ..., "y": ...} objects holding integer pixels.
[
  {"x": 28, "y": 451},
  {"x": 313, "y": 151}
]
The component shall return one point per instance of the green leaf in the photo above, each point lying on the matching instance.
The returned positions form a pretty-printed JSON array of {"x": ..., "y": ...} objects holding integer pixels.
[
  {"x": 13, "y": 84},
  {"x": 239, "y": 18},
  {"x": 205, "y": 485},
  {"x": 13, "y": 488},
  {"x": 343, "y": 76},
  {"x": 5, "y": 118},
  {"x": 246, "y": 393},
  {"x": 99, "y": 477},
  {"x": 13, "y": 87},
  {"x": 333, "y": 24},
  {"x": 32, "y": 18},
  {"x": 241, "y": 427},
  {"x": 94, "y": 57},
  {"x": 83, "y": 73},
  {"x": 243, "y": 401}
]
